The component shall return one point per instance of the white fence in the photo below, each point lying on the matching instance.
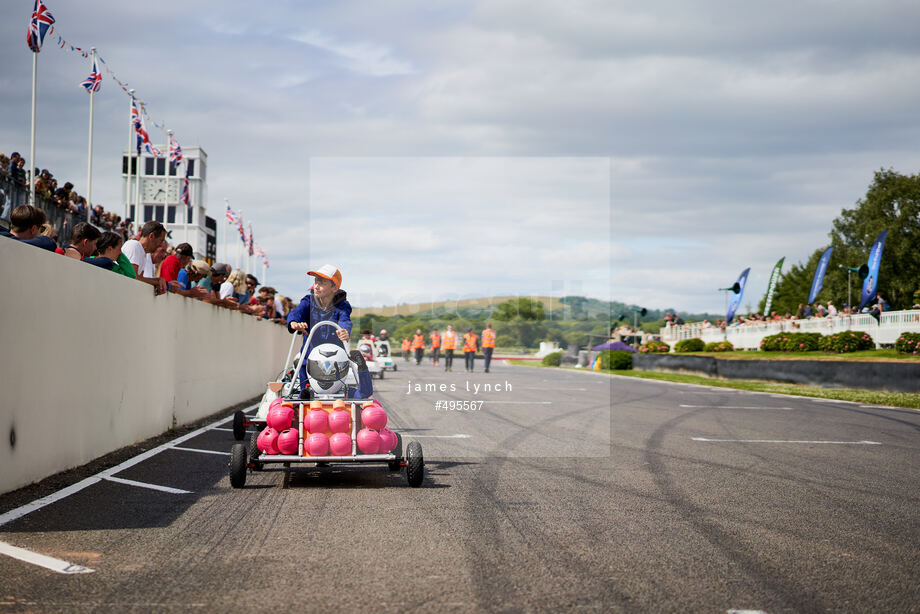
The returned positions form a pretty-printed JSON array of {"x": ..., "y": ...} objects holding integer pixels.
[{"x": 884, "y": 331}]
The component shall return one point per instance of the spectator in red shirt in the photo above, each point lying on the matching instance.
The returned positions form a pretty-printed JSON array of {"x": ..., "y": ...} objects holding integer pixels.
[{"x": 175, "y": 262}]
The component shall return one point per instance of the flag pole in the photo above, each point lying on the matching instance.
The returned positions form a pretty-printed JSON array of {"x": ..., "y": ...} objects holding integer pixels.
[
  {"x": 128, "y": 160},
  {"x": 239, "y": 251},
  {"x": 89, "y": 166},
  {"x": 219, "y": 226},
  {"x": 137, "y": 189},
  {"x": 166, "y": 133},
  {"x": 32, "y": 150}
]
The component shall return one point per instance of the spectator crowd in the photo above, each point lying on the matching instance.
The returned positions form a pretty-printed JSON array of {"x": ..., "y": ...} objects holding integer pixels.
[
  {"x": 61, "y": 200},
  {"x": 148, "y": 258},
  {"x": 804, "y": 312}
]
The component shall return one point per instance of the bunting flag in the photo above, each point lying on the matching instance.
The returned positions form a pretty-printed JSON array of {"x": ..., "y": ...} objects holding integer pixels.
[
  {"x": 251, "y": 251},
  {"x": 186, "y": 196},
  {"x": 175, "y": 154},
  {"x": 93, "y": 83},
  {"x": 63, "y": 44},
  {"x": 239, "y": 226},
  {"x": 818, "y": 279},
  {"x": 736, "y": 300},
  {"x": 41, "y": 24},
  {"x": 143, "y": 139},
  {"x": 870, "y": 285},
  {"x": 231, "y": 216},
  {"x": 771, "y": 286}
]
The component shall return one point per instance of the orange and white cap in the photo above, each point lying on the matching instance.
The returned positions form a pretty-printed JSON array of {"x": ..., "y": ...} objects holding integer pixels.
[{"x": 327, "y": 271}]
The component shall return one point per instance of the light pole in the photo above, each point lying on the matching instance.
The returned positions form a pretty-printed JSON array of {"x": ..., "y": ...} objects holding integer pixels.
[{"x": 862, "y": 271}]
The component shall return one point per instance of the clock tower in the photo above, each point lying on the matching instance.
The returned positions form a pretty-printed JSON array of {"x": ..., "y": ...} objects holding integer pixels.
[{"x": 156, "y": 194}]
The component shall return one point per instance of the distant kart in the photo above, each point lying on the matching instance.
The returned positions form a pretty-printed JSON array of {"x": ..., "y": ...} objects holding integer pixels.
[
  {"x": 366, "y": 347},
  {"x": 330, "y": 417},
  {"x": 383, "y": 357}
]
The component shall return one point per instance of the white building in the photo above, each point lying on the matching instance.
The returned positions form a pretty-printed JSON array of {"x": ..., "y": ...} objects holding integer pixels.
[{"x": 159, "y": 196}]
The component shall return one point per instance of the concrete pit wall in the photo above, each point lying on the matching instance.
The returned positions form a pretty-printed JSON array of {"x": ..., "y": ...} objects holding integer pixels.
[{"x": 92, "y": 361}]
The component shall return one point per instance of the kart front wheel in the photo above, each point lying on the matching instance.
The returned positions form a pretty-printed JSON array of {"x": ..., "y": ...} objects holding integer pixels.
[
  {"x": 415, "y": 467},
  {"x": 238, "y": 465}
]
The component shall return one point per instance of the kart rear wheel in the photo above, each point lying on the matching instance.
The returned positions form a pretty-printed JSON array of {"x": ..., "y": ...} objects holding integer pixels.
[
  {"x": 254, "y": 451},
  {"x": 238, "y": 465},
  {"x": 239, "y": 425},
  {"x": 415, "y": 468},
  {"x": 381, "y": 373},
  {"x": 395, "y": 367}
]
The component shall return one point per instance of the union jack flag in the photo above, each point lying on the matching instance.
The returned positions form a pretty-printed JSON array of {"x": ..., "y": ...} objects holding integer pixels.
[
  {"x": 93, "y": 82},
  {"x": 231, "y": 217},
  {"x": 39, "y": 26},
  {"x": 251, "y": 250},
  {"x": 143, "y": 139},
  {"x": 185, "y": 196},
  {"x": 175, "y": 153},
  {"x": 239, "y": 226}
]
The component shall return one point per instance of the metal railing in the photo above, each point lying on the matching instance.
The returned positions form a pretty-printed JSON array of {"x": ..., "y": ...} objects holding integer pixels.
[{"x": 16, "y": 194}]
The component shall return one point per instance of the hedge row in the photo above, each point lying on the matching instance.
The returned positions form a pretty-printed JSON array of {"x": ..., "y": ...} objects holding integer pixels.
[
  {"x": 838, "y": 343},
  {"x": 619, "y": 360},
  {"x": 908, "y": 343},
  {"x": 655, "y": 347}
]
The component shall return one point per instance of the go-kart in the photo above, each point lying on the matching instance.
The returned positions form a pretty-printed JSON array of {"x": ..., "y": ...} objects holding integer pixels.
[
  {"x": 282, "y": 385},
  {"x": 366, "y": 347},
  {"x": 383, "y": 358},
  {"x": 329, "y": 394}
]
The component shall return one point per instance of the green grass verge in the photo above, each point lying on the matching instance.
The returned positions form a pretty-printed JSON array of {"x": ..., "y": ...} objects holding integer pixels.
[{"x": 869, "y": 397}]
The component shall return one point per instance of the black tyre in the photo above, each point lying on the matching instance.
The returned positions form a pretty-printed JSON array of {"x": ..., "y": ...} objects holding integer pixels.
[
  {"x": 254, "y": 452},
  {"x": 396, "y": 367},
  {"x": 238, "y": 465},
  {"x": 415, "y": 469},
  {"x": 239, "y": 426},
  {"x": 381, "y": 373}
]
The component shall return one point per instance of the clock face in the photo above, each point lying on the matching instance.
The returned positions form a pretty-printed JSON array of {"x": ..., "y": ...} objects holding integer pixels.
[{"x": 155, "y": 190}]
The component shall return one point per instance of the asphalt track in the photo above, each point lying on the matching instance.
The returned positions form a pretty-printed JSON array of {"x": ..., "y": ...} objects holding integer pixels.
[{"x": 569, "y": 492}]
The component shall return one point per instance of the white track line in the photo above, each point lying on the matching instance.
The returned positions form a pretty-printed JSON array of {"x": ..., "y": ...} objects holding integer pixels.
[
  {"x": 738, "y": 407},
  {"x": 852, "y": 443},
  {"x": 41, "y": 560},
  {"x": 30, "y": 507},
  {"x": 458, "y": 436},
  {"x": 220, "y": 428},
  {"x": 175, "y": 491},
  {"x": 202, "y": 451}
]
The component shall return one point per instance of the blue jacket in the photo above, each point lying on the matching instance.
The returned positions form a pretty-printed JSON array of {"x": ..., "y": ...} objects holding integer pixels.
[
  {"x": 39, "y": 241},
  {"x": 309, "y": 311},
  {"x": 340, "y": 313}
]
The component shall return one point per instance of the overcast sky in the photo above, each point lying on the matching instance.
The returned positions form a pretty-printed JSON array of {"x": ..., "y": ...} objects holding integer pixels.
[{"x": 634, "y": 151}]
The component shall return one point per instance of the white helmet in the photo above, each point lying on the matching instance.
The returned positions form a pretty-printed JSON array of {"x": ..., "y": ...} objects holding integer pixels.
[{"x": 327, "y": 366}]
